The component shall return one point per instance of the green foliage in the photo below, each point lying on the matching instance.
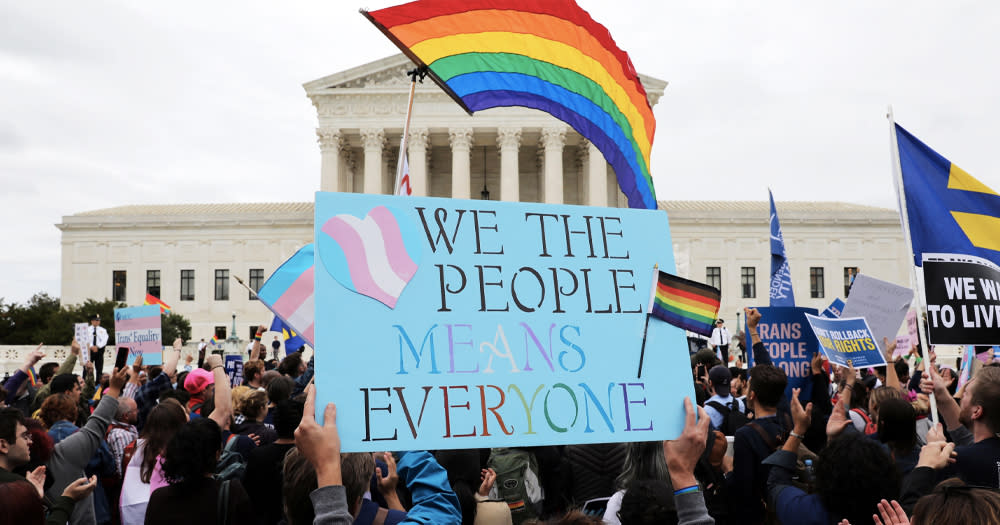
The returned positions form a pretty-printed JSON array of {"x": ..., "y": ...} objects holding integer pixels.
[
  {"x": 174, "y": 326},
  {"x": 44, "y": 320}
]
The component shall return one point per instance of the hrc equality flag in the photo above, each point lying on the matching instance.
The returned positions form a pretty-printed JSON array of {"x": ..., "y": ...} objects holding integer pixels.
[
  {"x": 293, "y": 341},
  {"x": 150, "y": 299},
  {"x": 288, "y": 293},
  {"x": 949, "y": 211},
  {"x": 551, "y": 56},
  {"x": 685, "y": 304},
  {"x": 781, "y": 274}
]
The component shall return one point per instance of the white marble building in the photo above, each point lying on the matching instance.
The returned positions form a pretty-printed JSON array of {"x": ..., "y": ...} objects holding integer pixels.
[{"x": 187, "y": 253}]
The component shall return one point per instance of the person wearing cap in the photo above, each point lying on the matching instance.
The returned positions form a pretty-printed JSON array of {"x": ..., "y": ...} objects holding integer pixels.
[
  {"x": 720, "y": 378},
  {"x": 98, "y": 338},
  {"x": 720, "y": 340},
  {"x": 200, "y": 383}
]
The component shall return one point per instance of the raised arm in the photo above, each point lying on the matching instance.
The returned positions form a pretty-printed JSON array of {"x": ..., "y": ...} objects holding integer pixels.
[
  {"x": 760, "y": 354},
  {"x": 255, "y": 351},
  {"x": 223, "y": 412},
  {"x": 891, "y": 379},
  {"x": 946, "y": 405},
  {"x": 682, "y": 456},
  {"x": 80, "y": 446}
]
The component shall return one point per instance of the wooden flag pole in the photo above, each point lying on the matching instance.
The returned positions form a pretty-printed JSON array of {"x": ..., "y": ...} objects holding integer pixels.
[
  {"x": 414, "y": 74},
  {"x": 914, "y": 276}
]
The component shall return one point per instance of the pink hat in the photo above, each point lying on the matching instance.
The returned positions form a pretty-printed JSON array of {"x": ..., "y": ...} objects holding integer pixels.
[{"x": 198, "y": 380}]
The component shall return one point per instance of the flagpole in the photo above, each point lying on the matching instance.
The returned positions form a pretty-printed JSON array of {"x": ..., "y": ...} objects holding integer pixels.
[
  {"x": 918, "y": 285},
  {"x": 413, "y": 74},
  {"x": 649, "y": 310}
]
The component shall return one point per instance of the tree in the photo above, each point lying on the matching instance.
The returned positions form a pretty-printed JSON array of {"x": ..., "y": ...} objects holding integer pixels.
[{"x": 174, "y": 326}]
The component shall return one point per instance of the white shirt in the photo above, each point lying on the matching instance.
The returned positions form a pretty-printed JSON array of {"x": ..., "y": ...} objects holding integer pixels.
[
  {"x": 720, "y": 336},
  {"x": 102, "y": 336}
]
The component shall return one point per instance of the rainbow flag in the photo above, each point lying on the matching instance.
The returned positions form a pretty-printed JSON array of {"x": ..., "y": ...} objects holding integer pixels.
[
  {"x": 551, "y": 56},
  {"x": 685, "y": 304},
  {"x": 288, "y": 293},
  {"x": 32, "y": 376},
  {"x": 215, "y": 340},
  {"x": 150, "y": 299}
]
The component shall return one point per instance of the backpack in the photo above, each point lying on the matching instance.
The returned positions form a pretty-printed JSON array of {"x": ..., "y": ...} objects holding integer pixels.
[
  {"x": 231, "y": 464},
  {"x": 800, "y": 478},
  {"x": 517, "y": 482},
  {"x": 870, "y": 427},
  {"x": 732, "y": 417}
]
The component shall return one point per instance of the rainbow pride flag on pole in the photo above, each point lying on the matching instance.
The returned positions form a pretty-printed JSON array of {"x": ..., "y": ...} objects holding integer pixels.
[
  {"x": 686, "y": 304},
  {"x": 288, "y": 293},
  {"x": 550, "y": 56},
  {"x": 150, "y": 299},
  {"x": 215, "y": 340}
]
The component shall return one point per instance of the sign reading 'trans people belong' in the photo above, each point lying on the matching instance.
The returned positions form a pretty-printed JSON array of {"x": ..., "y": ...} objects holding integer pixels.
[{"x": 445, "y": 323}]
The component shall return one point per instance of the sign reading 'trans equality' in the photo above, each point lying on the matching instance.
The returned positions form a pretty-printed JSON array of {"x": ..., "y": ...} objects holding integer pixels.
[{"x": 447, "y": 323}]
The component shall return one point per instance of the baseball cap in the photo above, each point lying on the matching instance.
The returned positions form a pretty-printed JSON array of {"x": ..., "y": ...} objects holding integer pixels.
[
  {"x": 720, "y": 376},
  {"x": 198, "y": 380}
]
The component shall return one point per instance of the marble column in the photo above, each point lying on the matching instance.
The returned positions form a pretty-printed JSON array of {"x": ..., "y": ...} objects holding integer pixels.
[
  {"x": 331, "y": 141},
  {"x": 373, "y": 140},
  {"x": 461, "y": 147},
  {"x": 597, "y": 177},
  {"x": 416, "y": 148},
  {"x": 509, "y": 143},
  {"x": 553, "y": 140}
]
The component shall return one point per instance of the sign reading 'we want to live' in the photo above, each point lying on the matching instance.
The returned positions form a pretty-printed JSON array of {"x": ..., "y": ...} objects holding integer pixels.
[{"x": 444, "y": 323}]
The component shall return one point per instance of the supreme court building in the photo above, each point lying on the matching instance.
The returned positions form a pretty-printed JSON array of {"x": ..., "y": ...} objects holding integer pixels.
[{"x": 187, "y": 254}]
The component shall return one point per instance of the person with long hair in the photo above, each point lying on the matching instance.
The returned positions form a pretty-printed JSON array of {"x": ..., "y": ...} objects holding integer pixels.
[
  {"x": 189, "y": 465},
  {"x": 897, "y": 428},
  {"x": 643, "y": 461},
  {"x": 143, "y": 474}
]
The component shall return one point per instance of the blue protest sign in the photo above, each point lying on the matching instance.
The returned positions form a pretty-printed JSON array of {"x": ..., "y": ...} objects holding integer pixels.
[
  {"x": 834, "y": 310},
  {"x": 445, "y": 323},
  {"x": 234, "y": 369},
  {"x": 790, "y": 343},
  {"x": 847, "y": 339}
]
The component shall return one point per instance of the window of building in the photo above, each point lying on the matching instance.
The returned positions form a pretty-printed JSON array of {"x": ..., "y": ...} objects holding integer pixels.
[
  {"x": 849, "y": 273},
  {"x": 221, "y": 285},
  {"x": 187, "y": 285},
  {"x": 118, "y": 285},
  {"x": 713, "y": 277},
  {"x": 256, "y": 281},
  {"x": 748, "y": 282},
  {"x": 220, "y": 332},
  {"x": 153, "y": 283},
  {"x": 817, "y": 288}
]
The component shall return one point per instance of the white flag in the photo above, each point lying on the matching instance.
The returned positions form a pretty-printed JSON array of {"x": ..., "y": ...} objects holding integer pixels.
[{"x": 404, "y": 179}]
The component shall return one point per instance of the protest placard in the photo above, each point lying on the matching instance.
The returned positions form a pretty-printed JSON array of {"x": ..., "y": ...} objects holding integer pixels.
[
  {"x": 903, "y": 346},
  {"x": 138, "y": 328},
  {"x": 446, "y": 323},
  {"x": 963, "y": 300},
  {"x": 911, "y": 327},
  {"x": 881, "y": 303},
  {"x": 81, "y": 333},
  {"x": 790, "y": 343},
  {"x": 846, "y": 341},
  {"x": 234, "y": 369},
  {"x": 834, "y": 310}
]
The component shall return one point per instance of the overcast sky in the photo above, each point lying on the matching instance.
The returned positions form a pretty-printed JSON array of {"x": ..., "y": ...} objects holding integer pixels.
[{"x": 107, "y": 103}]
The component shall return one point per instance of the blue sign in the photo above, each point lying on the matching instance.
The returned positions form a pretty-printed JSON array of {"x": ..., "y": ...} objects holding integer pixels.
[
  {"x": 445, "y": 323},
  {"x": 234, "y": 369},
  {"x": 790, "y": 343},
  {"x": 849, "y": 339},
  {"x": 834, "y": 310}
]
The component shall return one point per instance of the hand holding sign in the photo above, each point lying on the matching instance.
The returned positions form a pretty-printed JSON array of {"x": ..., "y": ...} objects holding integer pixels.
[{"x": 320, "y": 444}]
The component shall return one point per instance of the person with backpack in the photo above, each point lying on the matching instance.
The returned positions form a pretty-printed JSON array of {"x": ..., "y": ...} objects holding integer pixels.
[{"x": 726, "y": 412}]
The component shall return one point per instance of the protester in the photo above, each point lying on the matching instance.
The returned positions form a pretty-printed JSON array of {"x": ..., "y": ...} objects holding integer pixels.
[
  {"x": 726, "y": 412},
  {"x": 188, "y": 465},
  {"x": 472, "y": 486},
  {"x": 144, "y": 472},
  {"x": 74, "y": 452},
  {"x": 643, "y": 461},
  {"x": 254, "y": 410},
  {"x": 263, "y": 479}
]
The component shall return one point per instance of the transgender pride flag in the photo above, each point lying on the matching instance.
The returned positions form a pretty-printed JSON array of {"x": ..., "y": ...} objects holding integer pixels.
[{"x": 289, "y": 293}]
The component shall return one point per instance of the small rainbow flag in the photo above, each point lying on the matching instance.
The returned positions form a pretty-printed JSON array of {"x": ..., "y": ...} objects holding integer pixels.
[
  {"x": 215, "y": 340},
  {"x": 685, "y": 304},
  {"x": 33, "y": 376},
  {"x": 551, "y": 56},
  {"x": 150, "y": 299}
]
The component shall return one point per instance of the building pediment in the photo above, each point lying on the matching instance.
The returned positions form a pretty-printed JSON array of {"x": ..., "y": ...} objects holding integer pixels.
[{"x": 390, "y": 72}]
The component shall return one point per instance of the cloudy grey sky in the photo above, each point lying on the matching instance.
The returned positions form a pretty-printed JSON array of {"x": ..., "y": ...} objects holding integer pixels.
[{"x": 106, "y": 103}]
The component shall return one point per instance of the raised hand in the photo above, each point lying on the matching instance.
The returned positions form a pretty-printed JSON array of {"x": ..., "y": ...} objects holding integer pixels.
[
  {"x": 320, "y": 444},
  {"x": 489, "y": 477},
  {"x": 801, "y": 418},
  {"x": 936, "y": 455},
  {"x": 892, "y": 514},
  {"x": 935, "y": 434},
  {"x": 37, "y": 479},
  {"x": 387, "y": 481},
  {"x": 682, "y": 453},
  {"x": 80, "y": 488},
  {"x": 74, "y": 347},
  {"x": 838, "y": 419}
]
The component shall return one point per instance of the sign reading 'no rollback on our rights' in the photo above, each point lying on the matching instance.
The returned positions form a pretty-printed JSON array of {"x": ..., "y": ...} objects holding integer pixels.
[
  {"x": 844, "y": 340},
  {"x": 445, "y": 323}
]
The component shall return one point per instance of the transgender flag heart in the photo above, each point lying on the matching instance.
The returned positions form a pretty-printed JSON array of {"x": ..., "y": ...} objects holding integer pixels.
[{"x": 373, "y": 256}]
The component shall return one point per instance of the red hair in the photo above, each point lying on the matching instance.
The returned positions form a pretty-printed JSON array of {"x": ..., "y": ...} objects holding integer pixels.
[{"x": 22, "y": 505}]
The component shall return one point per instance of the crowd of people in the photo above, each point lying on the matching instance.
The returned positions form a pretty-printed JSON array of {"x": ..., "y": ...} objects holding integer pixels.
[{"x": 176, "y": 443}]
